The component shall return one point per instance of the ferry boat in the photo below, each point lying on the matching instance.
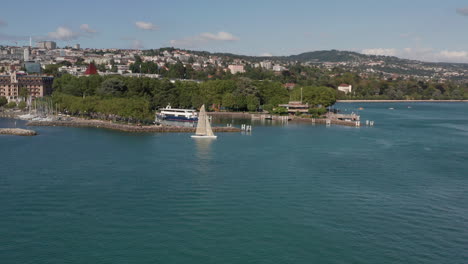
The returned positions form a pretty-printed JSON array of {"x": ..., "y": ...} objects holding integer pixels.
[{"x": 176, "y": 114}]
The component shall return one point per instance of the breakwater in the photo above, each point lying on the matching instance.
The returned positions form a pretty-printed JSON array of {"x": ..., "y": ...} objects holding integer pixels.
[
  {"x": 17, "y": 132},
  {"x": 323, "y": 121},
  {"x": 126, "y": 127}
]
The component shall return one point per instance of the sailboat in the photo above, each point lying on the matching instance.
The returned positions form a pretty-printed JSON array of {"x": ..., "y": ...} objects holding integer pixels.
[{"x": 203, "y": 127}]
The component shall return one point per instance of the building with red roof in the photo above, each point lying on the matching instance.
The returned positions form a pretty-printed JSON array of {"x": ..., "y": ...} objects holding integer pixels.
[{"x": 91, "y": 70}]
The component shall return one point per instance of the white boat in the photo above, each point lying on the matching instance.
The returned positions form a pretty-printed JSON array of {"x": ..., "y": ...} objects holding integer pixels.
[
  {"x": 203, "y": 126},
  {"x": 177, "y": 114}
]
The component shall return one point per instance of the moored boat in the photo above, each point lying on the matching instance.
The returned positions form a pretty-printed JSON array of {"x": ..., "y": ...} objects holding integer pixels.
[{"x": 177, "y": 114}]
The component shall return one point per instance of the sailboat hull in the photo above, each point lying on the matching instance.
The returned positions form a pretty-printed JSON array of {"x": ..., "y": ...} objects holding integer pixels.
[{"x": 207, "y": 137}]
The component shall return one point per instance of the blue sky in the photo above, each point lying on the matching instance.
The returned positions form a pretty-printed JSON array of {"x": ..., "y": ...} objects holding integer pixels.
[{"x": 428, "y": 30}]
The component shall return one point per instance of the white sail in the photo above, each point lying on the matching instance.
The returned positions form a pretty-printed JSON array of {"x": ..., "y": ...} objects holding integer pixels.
[
  {"x": 209, "y": 131},
  {"x": 203, "y": 127}
]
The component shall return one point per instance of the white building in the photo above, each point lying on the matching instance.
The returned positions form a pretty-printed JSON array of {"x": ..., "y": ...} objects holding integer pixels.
[
  {"x": 26, "y": 54},
  {"x": 278, "y": 68},
  {"x": 266, "y": 65},
  {"x": 236, "y": 68},
  {"x": 50, "y": 45},
  {"x": 346, "y": 88}
]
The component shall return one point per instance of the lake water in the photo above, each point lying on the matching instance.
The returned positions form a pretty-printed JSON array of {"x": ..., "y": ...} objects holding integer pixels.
[{"x": 393, "y": 193}]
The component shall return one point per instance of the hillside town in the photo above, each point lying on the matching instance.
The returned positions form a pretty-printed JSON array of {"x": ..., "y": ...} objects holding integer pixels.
[
  {"x": 353, "y": 75},
  {"x": 74, "y": 60}
]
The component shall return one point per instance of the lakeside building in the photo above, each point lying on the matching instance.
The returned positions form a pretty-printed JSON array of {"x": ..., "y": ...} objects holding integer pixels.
[
  {"x": 37, "y": 85},
  {"x": 346, "y": 88},
  {"x": 296, "y": 107}
]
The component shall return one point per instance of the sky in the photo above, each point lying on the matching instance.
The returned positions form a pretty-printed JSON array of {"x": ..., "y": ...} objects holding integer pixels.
[{"x": 428, "y": 30}]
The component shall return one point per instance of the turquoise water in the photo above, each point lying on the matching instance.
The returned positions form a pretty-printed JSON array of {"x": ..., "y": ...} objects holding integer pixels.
[{"x": 394, "y": 193}]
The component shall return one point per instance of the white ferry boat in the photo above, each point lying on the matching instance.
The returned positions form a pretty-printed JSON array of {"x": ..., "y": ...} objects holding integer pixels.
[{"x": 176, "y": 114}]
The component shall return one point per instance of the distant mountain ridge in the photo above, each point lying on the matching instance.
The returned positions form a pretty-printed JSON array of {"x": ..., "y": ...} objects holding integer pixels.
[{"x": 322, "y": 56}]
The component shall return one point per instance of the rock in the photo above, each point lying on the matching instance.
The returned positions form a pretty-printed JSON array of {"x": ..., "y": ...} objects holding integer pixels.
[{"x": 17, "y": 132}]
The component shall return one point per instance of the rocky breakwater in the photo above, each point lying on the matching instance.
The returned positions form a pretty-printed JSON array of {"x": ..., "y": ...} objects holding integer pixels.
[
  {"x": 17, "y": 132},
  {"x": 126, "y": 127}
]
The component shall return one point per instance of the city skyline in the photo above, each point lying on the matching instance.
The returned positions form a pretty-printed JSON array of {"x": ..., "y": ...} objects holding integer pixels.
[{"x": 423, "y": 30}]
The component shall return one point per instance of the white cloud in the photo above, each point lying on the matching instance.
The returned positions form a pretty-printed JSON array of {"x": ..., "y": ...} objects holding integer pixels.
[
  {"x": 204, "y": 38},
  {"x": 221, "y": 36},
  {"x": 462, "y": 11},
  {"x": 380, "y": 52},
  {"x": 266, "y": 54},
  {"x": 145, "y": 25},
  {"x": 137, "y": 44},
  {"x": 422, "y": 54},
  {"x": 3, "y": 23},
  {"x": 457, "y": 56},
  {"x": 87, "y": 29},
  {"x": 63, "y": 33}
]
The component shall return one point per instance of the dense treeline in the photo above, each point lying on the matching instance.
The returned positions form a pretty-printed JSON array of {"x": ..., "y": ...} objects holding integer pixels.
[
  {"x": 139, "y": 97},
  {"x": 372, "y": 86}
]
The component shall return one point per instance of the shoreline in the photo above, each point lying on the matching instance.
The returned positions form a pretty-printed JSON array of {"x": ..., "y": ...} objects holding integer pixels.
[
  {"x": 125, "y": 127},
  {"x": 401, "y": 101}
]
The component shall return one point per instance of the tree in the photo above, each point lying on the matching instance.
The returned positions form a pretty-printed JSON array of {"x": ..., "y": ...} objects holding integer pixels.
[
  {"x": 52, "y": 69},
  {"x": 3, "y": 101},
  {"x": 252, "y": 102},
  {"x": 316, "y": 95},
  {"x": 11, "y": 105},
  {"x": 317, "y": 112},
  {"x": 280, "y": 110},
  {"x": 112, "y": 87},
  {"x": 23, "y": 92},
  {"x": 229, "y": 101},
  {"x": 22, "y": 105}
]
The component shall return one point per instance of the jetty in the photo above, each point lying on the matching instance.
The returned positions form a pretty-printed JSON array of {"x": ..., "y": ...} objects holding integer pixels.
[
  {"x": 17, "y": 132},
  {"x": 126, "y": 127},
  {"x": 329, "y": 119}
]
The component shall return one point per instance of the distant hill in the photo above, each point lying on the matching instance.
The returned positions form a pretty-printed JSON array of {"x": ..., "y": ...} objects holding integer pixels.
[
  {"x": 350, "y": 60},
  {"x": 327, "y": 56}
]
